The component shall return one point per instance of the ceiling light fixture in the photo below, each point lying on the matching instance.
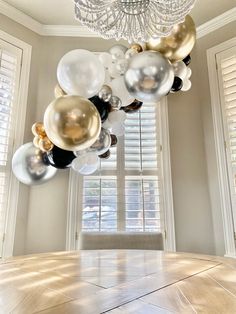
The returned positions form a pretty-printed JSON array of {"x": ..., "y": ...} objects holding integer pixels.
[{"x": 133, "y": 20}]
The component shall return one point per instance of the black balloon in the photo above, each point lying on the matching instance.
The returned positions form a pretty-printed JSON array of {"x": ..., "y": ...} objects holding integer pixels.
[
  {"x": 187, "y": 60},
  {"x": 114, "y": 140},
  {"x": 59, "y": 158},
  {"x": 102, "y": 107},
  {"x": 177, "y": 85},
  {"x": 132, "y": 108},
  {"x": 106, "y": 155}
]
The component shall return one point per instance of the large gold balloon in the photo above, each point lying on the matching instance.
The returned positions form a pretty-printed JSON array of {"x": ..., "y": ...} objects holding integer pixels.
[
  {"x": 178, "y": 44},
  {"x": 72, "y": 123}
]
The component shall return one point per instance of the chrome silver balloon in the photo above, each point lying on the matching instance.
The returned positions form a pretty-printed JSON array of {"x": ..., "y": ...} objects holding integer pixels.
[
  {"x": 115, "y": 102},
  {"x": 103, "y": 142},
  {"x": 105, "y": 93},
  {"x": 149, "y": 77},
  {"x": 28, "y": 166}
]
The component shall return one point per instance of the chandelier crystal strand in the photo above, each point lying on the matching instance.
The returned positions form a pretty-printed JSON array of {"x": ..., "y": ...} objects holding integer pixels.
[{"x": 133, "y": 20}]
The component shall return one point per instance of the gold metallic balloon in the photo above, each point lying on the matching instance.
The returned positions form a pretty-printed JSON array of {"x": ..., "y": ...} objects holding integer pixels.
[
  {"x": 36, "y": 141},
  {"x": 58, "y": 91},
  {"x": 72, "y": 123},
  {"x": 45, "y": 145},
  {"x": 38, "y": 129},
  {"x": 178, "y": 44},
  {"x": 137, "y": 47}
]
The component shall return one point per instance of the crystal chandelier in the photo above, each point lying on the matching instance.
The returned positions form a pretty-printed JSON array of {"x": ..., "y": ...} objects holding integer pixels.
[{"x": 133, "y": 20}]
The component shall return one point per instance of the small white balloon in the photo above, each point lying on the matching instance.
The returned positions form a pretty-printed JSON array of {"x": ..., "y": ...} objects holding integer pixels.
[
  {"x": 106, "y": 59},
  {"x": 118, "y": 129},
  {"x": 189, "y": 73},
  {"x": 80, "y": 72},
  {"x": 113, "y": 71},
  {"x": 122, "y": 66},
  {"x": 86, "y": 163},
  {"x": 130, "y": 53},
  {"x": 118, "y": 116},
  {"x": 118, "y": 52},
  {"x": 180, "y": 70},
  {"x": 186, "y": 85},
  {"x": 108, "y": 78},
  {"x": 119, "y": 89},
  {"x": 106, "y": 124}
]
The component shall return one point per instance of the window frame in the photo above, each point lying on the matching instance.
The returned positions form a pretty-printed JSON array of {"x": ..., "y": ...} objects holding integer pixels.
[
  {"x": 20, "y": 112},
  {"x": 74, "y": 213},
  {"x": 219, "y": 137}
]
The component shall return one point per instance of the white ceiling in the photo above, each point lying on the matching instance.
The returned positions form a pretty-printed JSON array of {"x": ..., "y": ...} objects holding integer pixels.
[{"x": 61, "y": 12}]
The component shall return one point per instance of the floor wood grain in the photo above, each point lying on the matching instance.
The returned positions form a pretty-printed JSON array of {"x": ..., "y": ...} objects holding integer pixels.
[{"x": 117, "y": 281}]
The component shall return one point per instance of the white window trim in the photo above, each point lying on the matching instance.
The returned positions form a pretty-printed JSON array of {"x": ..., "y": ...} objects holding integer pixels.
[
  {"x": 8, "y": 244},
  {"x": 73, "y": 199},
  {"x": 220, "y": 146}
]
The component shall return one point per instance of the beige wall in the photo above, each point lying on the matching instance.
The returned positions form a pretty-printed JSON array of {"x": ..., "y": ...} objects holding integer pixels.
[
  {"x": 193, "y": 220},
  {"x": 41, "y": 226},
  {"x": 213, "y": 39}
]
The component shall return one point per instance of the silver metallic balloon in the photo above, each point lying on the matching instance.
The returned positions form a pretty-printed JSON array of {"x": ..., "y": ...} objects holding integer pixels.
[
  {"x": 105, "y": 93},
  {"x": 103, "y": 143},
  {"x": 28, "y": 165},
  {"x": 149, "y": 77},
  {"x": 115, "y": 102}
]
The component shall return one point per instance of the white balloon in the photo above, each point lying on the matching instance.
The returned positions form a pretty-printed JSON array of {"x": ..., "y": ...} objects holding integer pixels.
[
  {"x": 180, "y": 70},
  {"x": 186, "y": 85},
  {"x": 113, "y": 71},
  {"x": 119, "y": 89},
  {"x": 107, "y": 78},
  {"x": 118, "y": 129},
  {"x": 80, "y": 73},
  {"x": 106, "y": 124},
  {"x": 130, "y": 53},
  {"x": 118, "y": 52},
  {"x": 189, "y": 73},
  {"x": 106, "y": 59},
  {"x": 86, "y": 163},
  {"x": 117, "y": 116},
  {"x": 122, "y": 66}
]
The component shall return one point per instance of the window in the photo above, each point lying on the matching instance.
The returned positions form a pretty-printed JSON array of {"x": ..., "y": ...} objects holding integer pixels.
[
  {"x": 132, "y": 191},
  {"x": 126, "y": 193}
]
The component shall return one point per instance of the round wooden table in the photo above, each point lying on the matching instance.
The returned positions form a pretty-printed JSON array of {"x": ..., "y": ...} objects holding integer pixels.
[{"x": 118, "y": 282}]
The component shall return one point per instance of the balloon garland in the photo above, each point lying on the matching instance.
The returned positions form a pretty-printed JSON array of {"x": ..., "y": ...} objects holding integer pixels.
[{"x": 93, "y": 96}]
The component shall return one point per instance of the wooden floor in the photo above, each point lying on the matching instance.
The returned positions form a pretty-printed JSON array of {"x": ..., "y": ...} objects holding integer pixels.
[{"x": 118, "y": 282}]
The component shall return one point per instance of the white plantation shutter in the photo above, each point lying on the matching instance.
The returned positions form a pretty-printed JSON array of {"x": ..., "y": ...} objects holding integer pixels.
[
  {"x": 126, "y": 192},
  {"x": 226, "y": 62},
  {"x": 99, "y": 204},
  {"x": 141, "y": 139},
  {"x": 10, "y": 63},
  {"x": 142, "y": 163}
]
